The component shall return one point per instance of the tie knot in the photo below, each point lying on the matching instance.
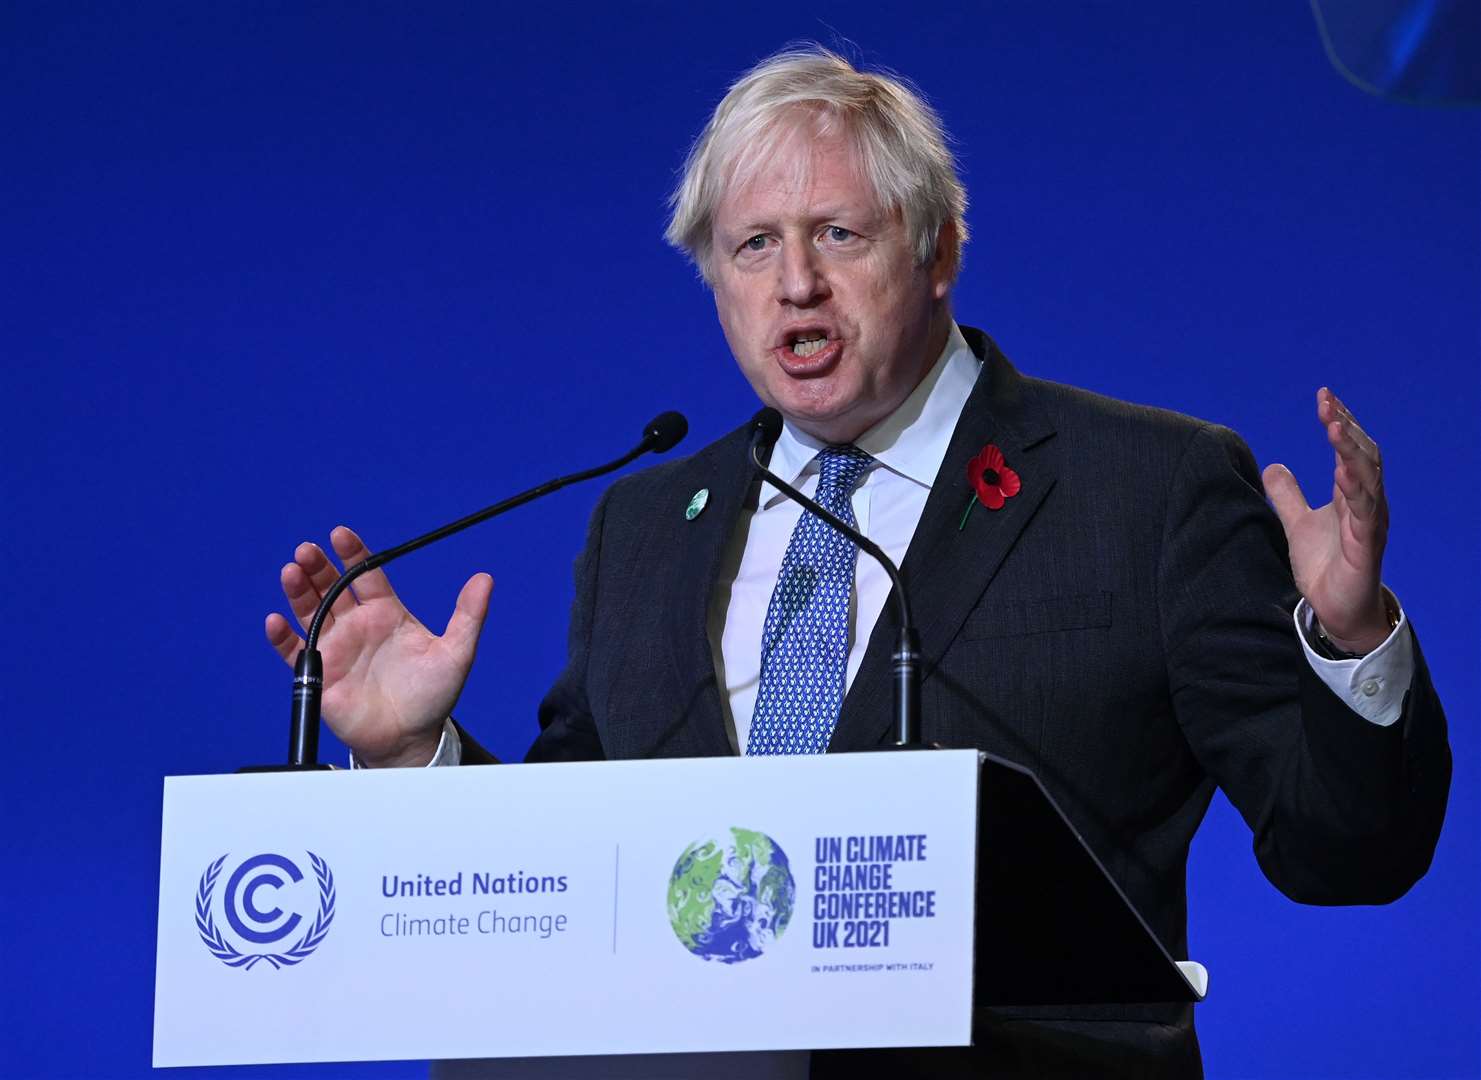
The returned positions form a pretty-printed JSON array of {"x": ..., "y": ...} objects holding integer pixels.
[{"x": 841, "y": 467}]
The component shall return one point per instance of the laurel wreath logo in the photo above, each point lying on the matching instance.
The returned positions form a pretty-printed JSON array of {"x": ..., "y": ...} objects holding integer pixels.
[{"x": 229, "y": 955}]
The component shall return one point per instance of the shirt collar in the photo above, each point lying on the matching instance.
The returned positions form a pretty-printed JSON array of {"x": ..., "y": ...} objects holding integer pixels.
[{"x": 912, "y": 440}]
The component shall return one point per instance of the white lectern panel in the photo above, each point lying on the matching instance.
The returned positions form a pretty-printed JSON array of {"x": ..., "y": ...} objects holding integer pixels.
[{"x": 595, "y": 908}]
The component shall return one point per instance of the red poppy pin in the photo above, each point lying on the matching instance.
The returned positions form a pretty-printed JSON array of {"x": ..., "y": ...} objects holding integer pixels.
[{"x": 992, "y": 481}]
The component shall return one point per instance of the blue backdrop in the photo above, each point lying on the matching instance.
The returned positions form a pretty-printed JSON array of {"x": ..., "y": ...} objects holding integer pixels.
[{"x": 272, "y": 267}]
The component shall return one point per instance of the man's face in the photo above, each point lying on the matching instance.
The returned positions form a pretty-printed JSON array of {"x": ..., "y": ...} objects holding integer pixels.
[{"x": 819, "y": 294}]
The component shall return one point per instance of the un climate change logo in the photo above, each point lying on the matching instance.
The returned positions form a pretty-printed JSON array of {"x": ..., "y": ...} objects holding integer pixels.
[
  {"x": 731, "y": 898},
  {"x": 249, "y": 923}
]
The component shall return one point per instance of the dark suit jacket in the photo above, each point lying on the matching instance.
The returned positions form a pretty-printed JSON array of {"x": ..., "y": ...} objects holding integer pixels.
[{"x": 1122, "y": 627}]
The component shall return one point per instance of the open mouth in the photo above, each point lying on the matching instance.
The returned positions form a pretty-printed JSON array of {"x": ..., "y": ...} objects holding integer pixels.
[
  {"x": 808, "y": 343},
  {"x": 807, "y": 351}
]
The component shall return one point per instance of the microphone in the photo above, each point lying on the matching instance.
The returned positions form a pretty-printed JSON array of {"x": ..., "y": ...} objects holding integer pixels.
[
  {"x": 766, "y": 427},
  {"x": 661, "y": 433}
]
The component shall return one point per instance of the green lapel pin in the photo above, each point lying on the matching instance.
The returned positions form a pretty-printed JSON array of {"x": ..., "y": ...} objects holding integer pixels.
[{"x": 697, "y": 503}]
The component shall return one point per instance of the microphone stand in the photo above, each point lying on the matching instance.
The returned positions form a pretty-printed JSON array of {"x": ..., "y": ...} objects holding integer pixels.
[{"x": 661, "y": 434}]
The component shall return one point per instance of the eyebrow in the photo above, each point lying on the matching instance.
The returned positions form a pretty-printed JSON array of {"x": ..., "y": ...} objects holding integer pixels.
[{"x": 871, "y": 217}]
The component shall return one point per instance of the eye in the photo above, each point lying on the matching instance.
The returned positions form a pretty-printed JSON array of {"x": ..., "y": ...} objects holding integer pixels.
[
  {"x": 755, "y": 243},
  {"x": 838, "y": 234}
]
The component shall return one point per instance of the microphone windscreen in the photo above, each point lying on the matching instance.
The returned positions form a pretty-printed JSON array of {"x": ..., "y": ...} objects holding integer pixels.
[
  {"x": 766, "y": 426},
  {"x": 665, "y": 430}
]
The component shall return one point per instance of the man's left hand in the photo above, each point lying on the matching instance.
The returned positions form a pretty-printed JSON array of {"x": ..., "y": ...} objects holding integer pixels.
[{"x": 1337, "y": 550}]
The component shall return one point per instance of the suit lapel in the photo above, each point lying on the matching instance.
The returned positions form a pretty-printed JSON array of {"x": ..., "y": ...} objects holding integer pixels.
[
  {"x": 690, "y": 582},
  {"x": 947, "y": 569}
]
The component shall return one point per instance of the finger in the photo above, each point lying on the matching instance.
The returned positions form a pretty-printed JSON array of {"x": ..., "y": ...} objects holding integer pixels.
[
  {"x": 466, "y": 623},
  {"x": 322, "y": 574},
  {"x": 1357, "y": 471},
  {"x": 1332, "y": 411},
  {"x": 1285, "y": 495},
  {"x": 351, "y": 550},
  {"x": 281, "y": 637},
  {"x": 1355, "y": 496},
  {"x": 303, "y": 598},
  {"x": 1339, "y": 406},
  {"x": 1352, "y": 442}
]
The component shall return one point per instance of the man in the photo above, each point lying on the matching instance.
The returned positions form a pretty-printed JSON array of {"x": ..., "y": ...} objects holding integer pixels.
[{"x": 1103, "y": 594}]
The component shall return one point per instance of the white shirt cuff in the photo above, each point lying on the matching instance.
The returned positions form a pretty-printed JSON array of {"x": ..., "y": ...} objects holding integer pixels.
[
  {"x": 449, "y": 749},
  {"x": 1374, "y": 685}
]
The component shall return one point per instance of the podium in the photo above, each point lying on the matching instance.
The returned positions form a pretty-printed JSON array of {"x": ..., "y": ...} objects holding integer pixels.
[{"x": 645, "y": 907}]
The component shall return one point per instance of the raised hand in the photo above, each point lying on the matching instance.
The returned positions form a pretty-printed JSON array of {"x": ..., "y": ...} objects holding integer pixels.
[
  {"x": 1337, "y": 550},
  {"x": 389, "y": 682}
]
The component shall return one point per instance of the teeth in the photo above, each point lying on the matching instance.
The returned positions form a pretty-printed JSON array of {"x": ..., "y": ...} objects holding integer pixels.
[{"x": 808, "y": 345}]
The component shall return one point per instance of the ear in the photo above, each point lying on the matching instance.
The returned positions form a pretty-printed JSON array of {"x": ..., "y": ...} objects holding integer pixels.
[{"x": 943, "y": 260}]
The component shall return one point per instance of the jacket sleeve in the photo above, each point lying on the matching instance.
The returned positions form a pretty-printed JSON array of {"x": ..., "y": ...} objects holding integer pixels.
[{"x": 1343, "y": 811}]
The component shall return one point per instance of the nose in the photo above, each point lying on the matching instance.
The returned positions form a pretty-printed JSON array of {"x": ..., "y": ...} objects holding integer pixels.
[{"x": 802, "y": 280}]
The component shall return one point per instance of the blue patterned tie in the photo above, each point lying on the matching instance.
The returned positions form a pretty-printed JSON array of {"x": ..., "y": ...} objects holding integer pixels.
[{"x": 804, "y": 644}]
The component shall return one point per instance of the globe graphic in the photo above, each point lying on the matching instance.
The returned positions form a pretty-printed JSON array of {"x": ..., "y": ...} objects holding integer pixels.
[{"x": 730, "y": 898}]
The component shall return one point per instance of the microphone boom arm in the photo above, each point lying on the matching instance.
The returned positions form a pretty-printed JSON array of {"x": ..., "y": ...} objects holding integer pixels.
[
  {"x": 380, "y": 558},
  {"x": 661, "y": 434}
]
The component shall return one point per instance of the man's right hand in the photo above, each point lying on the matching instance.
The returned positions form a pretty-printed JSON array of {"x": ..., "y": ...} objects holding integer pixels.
[{"x": 389, "y": 682}]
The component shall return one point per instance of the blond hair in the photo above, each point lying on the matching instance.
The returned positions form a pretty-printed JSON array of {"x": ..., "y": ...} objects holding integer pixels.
[{"x": 898, "y": 140}]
